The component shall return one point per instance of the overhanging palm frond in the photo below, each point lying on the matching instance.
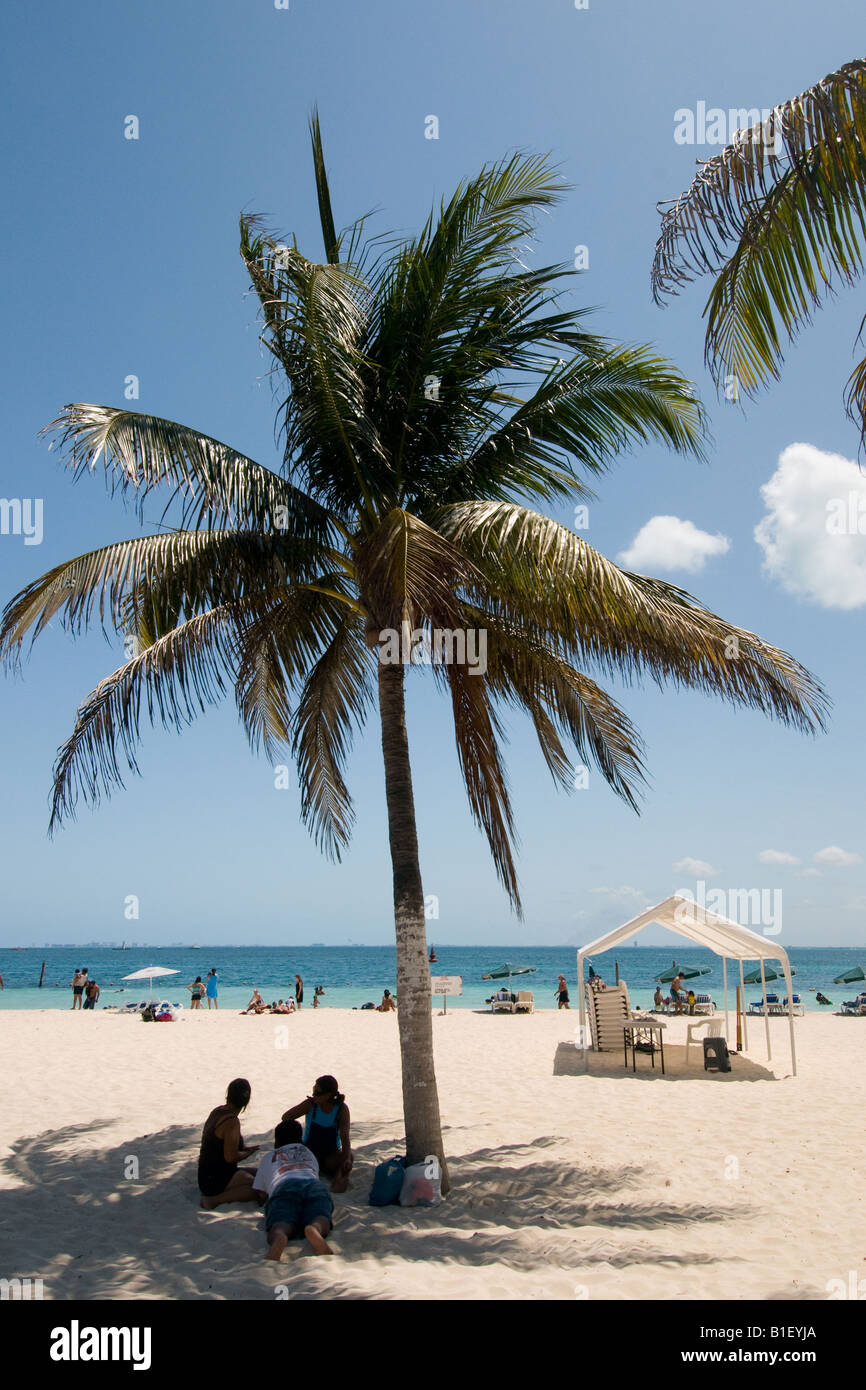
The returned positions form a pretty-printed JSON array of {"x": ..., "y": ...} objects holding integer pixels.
[
  {"x": 213, "y": 482},
  {"x": 563, "y": 703},
  {"x": 192, "y": 569},
  {"x": 332, "y": 705},
  {"x": 170, "y": 682},
  {"x": 778, "y": 229},
  {"x": 543, "y": 576},
  {"x": 477, "y": 731}
]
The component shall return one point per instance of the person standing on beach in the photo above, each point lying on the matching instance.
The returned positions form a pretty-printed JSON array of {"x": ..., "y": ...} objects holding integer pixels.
[
  {"x": 562, "y": 992},
  {"x": 676, "y": 995},
  {"x": 91, "y": 994},
  {"x": 78, "y": 983},
  {"x": 326, "y": 1130},
  {"x": 220, "y": 1180},
  {"x": 196, "y": 990},
  {"x": 299, "y": 991},
  {"x": 212, "y": 989}
]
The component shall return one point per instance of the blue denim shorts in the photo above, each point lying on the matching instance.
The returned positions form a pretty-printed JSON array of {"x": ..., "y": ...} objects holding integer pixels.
[{"x": 298, "y": 1203}]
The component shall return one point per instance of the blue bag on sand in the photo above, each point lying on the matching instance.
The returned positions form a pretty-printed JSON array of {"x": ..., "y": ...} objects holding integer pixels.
[{"x": 387, "y": 1182}]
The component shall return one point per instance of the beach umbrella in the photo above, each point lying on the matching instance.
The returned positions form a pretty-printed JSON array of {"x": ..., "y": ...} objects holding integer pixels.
[
  {"x": 754, "y": 976},
  {"x": 504, "y": 972},
  {"x": 688, "y": 973},
  {"x": 855, "y": 973},
  {"x": 150, "y": 972}
]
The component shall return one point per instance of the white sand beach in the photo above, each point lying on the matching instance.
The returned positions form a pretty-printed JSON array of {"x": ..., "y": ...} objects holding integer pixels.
[{"x": 566, "y": 1185}]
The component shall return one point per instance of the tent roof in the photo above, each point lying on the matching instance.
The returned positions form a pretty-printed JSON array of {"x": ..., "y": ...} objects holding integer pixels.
[{"x": 689, "y": 919}]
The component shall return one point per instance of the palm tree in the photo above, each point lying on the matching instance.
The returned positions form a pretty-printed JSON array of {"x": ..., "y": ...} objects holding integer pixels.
[
  {"x": 778, "y": 217},
  {"x": 398, "y": 510}
]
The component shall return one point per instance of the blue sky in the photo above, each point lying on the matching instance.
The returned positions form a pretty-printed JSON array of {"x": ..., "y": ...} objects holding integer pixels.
[{"x": 121, "y": 258}]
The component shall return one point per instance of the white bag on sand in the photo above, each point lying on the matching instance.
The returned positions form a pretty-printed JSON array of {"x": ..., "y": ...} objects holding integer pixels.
[{"x": 422, "y": 1185}]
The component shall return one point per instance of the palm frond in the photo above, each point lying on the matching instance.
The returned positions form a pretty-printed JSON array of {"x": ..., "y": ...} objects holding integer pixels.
[
  {"x": 477, "y": 731},
  {"x": 543, "y": 576},
  {"x": 332, "y": 705},
  {"x": 778, "y": 227},
  {"x": 213, "y": 482},
  {"x": 191, "y": 569},
  {"x": 170, "y": 682}
]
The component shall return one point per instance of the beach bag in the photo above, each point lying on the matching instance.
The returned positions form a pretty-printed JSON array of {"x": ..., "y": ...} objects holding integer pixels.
[
  {"x": 387, "y": 1182},
  {"x": 420, "y": 1187}
]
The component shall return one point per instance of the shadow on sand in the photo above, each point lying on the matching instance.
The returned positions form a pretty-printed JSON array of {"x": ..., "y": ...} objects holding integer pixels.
[
  {"x": 110, "y": 1235},
  {"x": 574, "y": 1061}
]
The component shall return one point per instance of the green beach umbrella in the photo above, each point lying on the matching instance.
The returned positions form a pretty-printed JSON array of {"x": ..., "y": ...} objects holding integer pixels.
[
  {"x": 855, "y": 973},
  {"x": 754, "y": 976},
  {"x": 504, "y": 972},
  {"x": 687, "y": 972}
]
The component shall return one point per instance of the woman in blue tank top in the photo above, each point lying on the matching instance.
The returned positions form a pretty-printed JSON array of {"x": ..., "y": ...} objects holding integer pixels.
[{"x": 326, "y": 1130}]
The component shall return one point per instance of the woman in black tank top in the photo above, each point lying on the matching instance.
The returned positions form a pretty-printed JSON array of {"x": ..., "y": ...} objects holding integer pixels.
[{"x": 220, "y": 1179}]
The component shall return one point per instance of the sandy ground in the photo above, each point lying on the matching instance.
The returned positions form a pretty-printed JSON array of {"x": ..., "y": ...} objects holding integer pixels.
[{"x": 567, "y": 1183}]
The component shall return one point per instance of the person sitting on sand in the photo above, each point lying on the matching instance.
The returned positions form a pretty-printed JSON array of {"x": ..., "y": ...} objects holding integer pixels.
[
  {"x": 295, "y": 1200},
  {"x": 196, "y": 990},
  {"x": 326, "y": 1130},
  {"x": 388, "y": 1004},
  {"x": 220, "y": 1179},
  {"x": 256, "y": 1005}
]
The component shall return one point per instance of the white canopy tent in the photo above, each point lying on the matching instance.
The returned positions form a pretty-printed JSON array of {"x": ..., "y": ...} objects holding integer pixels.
[{"x": 727, "y": 939}]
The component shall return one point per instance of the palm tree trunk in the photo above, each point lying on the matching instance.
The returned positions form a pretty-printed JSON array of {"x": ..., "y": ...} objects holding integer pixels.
[{"x": 414, "y": 1011}]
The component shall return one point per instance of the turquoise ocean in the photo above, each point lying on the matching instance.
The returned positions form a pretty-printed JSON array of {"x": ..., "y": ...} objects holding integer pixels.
[{"x": 354, "y": 975}]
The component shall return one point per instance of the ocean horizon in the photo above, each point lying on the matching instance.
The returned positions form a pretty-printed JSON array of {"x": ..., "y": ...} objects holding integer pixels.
[{"x": 353, "y": 975}]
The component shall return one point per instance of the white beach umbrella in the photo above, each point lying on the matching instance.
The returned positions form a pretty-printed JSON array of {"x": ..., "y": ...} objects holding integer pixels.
[{"x": 150, "y": 972}]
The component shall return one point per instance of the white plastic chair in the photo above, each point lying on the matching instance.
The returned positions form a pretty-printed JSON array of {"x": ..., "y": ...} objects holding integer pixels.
[{"x": 713, "y": 1028}]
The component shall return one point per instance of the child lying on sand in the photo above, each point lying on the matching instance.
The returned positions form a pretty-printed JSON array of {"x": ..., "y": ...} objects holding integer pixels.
[{"x": 287, "y": 1183}]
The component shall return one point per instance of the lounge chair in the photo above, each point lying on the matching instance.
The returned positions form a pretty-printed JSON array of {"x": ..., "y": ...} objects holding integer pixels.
[
  {"x": 704, "y": 1004},
  {"x": 797, "y": 1005},
  {"x": 772, "y": 1002},
  {"x": 502, "y": 1006},
  {"x": 524, "y": 1003},
  {"x": 713, "y": 1027}
]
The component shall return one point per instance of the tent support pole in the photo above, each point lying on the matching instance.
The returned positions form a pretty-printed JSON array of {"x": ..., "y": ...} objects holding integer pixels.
[
  {"x": 786, "y": 966},
  {"x": 743, "y": 998},
  {"x": 766, "y": 1010},
  {"x": 581, "y": 1005},
  {"x": 725, "y": 991}
]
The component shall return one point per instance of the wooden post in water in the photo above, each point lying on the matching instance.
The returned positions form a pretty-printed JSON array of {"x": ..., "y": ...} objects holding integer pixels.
[{"x": 41, "y": 974}]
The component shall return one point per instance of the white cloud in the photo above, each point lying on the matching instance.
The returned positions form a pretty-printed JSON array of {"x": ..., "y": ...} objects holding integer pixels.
[
  {"x": 667, "y": 543},
  {"x": 777, "y": 856},
  {"x": 695, "y": 868},
  {"x": 839, "y": 858},
  {"x": 814, "y": 532},
  {"x": 625, "y": 892}
]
